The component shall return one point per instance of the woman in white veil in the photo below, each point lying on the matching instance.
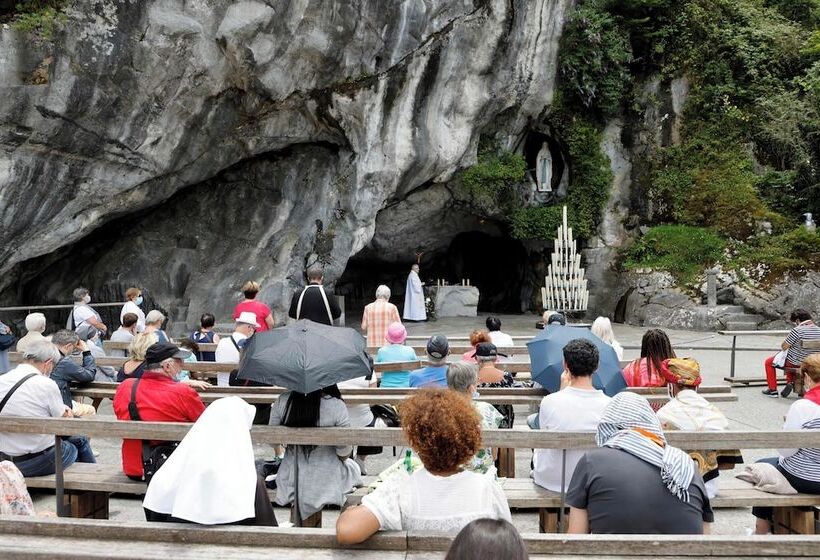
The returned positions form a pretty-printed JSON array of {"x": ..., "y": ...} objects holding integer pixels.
[{"x": 211, "y": 477}]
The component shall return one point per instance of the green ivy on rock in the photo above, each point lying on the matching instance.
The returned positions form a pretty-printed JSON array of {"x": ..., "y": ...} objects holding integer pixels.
[{"x": 683, "y": 251}]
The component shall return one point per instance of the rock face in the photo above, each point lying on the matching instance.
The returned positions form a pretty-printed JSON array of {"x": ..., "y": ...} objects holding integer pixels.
[
  {"x": 777, "y": 303},
  {"x": 600, "y": 257},
  {"x": 654, "y": 300},
  {"x": 185, "y": 146}
]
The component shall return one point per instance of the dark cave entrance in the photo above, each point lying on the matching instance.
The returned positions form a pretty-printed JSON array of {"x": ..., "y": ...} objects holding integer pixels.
[{"x": 497, "y": 266}]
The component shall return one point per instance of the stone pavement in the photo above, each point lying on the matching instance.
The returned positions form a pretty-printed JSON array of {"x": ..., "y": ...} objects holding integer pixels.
[{"x": 752, "y": 411}]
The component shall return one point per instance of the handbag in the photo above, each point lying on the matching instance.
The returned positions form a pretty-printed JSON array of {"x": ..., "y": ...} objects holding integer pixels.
[
  {"x": 779, "y": 360},
  {"x": 153, "y": 456},
  {"x": 7, "y": 339}
]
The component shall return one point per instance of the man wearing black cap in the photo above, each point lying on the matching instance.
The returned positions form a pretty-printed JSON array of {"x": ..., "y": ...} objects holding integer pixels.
[
  {"x": 486, "y": 354},
  {"x": 158, "y": 398},
  {"x": 435, "y": 373}
]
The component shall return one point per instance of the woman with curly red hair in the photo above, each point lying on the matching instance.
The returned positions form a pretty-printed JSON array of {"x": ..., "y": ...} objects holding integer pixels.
[{"x": 444, "y": 430}]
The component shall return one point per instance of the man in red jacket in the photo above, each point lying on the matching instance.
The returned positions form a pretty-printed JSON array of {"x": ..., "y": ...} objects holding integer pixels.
[{"x": 158, "y": 397}]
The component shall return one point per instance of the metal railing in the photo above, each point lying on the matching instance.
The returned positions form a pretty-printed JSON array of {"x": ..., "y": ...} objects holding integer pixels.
[{"x": 37, "y": 307}]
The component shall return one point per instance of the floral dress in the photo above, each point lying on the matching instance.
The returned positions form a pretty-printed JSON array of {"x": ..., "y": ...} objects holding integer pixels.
[
  {"x": 14, "y": 497},
  {"x": 482, "y": 461}
]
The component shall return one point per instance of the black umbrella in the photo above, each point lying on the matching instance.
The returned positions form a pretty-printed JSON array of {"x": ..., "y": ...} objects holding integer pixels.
[{"x": 304, "y": 357}]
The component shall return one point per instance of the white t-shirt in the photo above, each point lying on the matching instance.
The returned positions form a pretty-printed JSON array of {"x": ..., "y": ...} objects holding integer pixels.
[
  {"x": 501, "y": 340},
  {"x": 428, "y": 503},
  {"x": 37, "y": 397},
  {"x": 226, "y": 352},
  {"x": 360, "y": 414},
  {"x": 568, "y": 410},
  {"x": 82, "y": 313},
  {"x": 131, "y": 307}
]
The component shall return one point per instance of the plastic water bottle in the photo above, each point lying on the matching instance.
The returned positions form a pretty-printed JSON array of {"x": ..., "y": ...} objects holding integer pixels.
[{"x": 408, "y": 462}]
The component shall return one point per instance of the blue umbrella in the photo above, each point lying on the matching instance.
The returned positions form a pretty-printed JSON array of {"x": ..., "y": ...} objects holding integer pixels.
[{"x": 547, "y": 359}]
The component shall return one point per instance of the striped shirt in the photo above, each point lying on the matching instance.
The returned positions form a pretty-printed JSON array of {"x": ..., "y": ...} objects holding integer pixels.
[
  {"x": 804, "y": 462},
  {"x": 806, "y": 330}
]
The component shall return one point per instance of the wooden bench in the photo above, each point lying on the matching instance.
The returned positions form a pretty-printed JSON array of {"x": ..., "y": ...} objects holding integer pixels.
[
  {"x": 60, "y": 539},
  {"x": 521, "y": 493},
  {"x": 732, "y": 361},
  {"x": 813, "y": 345},
  {"x": 90, "y": 489},
  {"x": 395, "y": 396},
  {"x": 795, "y": 513},
  {"x": 392, "y": 396},
  {"x": 110, "y": 345},
  {"x": 209, "y": 370}
]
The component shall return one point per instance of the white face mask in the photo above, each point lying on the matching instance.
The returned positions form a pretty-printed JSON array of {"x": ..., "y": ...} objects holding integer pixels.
[{"x": 87, "y": 299}]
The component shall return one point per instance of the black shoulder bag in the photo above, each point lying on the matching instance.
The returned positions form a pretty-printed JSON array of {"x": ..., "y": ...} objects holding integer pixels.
[{"x": 153, "y": 456}]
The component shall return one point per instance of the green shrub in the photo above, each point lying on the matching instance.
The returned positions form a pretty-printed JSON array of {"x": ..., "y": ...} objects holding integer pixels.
[
  {"x": 538, "y": 222},
  {"x": 40, "y": 17},
  {"x": 590, "y": 176},
  {"x": 595, "y": 54},
  {"x": 735, "y": 51},
  {"x": 493, "y": 182},
  {"x": 683, "y": 251},
  {"x": 806, "y": 11},
  {"x": 708, "y": 181},
  {"x": 769, "y": 258}
]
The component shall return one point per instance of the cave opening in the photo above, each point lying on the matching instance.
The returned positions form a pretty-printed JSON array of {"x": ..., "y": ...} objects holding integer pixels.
[
  {"x": 545, "y": 161},
  {"x": 496, "y": 265}
]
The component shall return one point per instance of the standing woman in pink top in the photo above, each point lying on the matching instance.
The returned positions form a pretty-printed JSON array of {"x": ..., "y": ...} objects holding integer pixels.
[
  {"x": 264, "y": 318},
  {"x": 646, "y": 370}
]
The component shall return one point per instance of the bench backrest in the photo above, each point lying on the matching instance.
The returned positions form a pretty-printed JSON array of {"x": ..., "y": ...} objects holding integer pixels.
[
  {"x": 393, "y": 396},
  {"x": 519, "y": 439},
  {"x": 810, "y": 345},
  {"x": 135, "y": 538}
]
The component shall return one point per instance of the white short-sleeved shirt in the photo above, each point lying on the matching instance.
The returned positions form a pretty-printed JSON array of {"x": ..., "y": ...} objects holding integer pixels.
[
  {"x": 37, "y": 397},
  {"x": 568, "y": 410},
  {"x": 131, "y": 307},
  {"x": 501, "y": 340},
  {"x": 226, "y": 352},
  {"x": 360, "y": 414},
  {"x": 82, "y": 313},
  {"x": 428, "y": 503}
]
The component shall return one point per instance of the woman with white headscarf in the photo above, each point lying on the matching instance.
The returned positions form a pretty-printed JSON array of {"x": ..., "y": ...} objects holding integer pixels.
[
  {"x": 635, "y": 482},
  {"x": 211, "y": 477}
]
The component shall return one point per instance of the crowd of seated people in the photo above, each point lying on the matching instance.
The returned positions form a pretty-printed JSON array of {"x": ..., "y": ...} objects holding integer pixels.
[{"x": 451, "y": 487}]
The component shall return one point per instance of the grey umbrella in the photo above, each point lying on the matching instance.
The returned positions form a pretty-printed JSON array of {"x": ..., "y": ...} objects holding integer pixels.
[{"x": 305, "y": 357}]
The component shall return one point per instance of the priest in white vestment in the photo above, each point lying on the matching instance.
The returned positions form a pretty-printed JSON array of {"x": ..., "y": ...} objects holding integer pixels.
[{"x": 414, "y": 309}]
